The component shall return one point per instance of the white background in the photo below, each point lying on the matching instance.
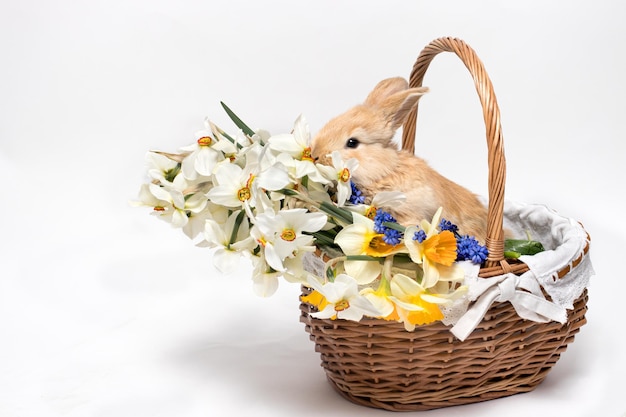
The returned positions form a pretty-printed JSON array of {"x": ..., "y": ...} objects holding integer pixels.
[{"x": 106, "y": 311}]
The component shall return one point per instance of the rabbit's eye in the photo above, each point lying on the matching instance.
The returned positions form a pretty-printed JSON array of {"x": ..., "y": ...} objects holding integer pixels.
[{"x": 352, "y": 143}]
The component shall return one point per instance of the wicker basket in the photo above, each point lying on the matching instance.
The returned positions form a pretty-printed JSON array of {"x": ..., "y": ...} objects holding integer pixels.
[{"x": 379, "y": 364}]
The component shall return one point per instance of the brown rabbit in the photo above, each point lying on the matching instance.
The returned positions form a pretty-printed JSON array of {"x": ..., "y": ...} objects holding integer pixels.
[{"x": 365, "y": 132}]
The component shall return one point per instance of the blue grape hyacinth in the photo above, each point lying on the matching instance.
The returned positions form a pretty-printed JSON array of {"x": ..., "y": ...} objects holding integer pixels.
[
  {"x": 357, "y": 196},
  {"x": 468, "y": 248},
  {"x": 391, "y": 236}
]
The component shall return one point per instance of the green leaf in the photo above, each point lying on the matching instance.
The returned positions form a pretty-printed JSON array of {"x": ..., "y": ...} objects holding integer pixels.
[
  {"x": 324, "y": 239},
  {"x": 288, "y": 192},
  {"x": 514, "y": 248},
  {"x": 337, "y": 212},
  {"x": 511, "y": 255},
  {"x": 237, "y": 121},
  {"x": 238, "y": 220}
]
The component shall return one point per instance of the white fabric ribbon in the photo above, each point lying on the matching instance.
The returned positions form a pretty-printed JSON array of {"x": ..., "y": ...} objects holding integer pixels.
[{"x": 523, "y": 292}]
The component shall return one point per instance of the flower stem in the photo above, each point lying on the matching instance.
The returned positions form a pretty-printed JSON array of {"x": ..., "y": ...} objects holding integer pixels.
[
  {"x": 362, "y": 258},
  {"x": 342, "y": 216},
  {"x": 395, "y": 226},
  {"x": 324, "y": 239}
]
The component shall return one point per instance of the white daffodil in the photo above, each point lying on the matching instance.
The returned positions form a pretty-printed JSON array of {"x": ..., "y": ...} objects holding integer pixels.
[
  {"x": 172, "y": 203},
  {"x": 264, "y": 277},
  {"x": 273, "y": 178},
  {"x": 296, "y": 144},
  {"x": 282, "y": 235},
  {"x": 205, "y": 154},
  {"x": 163, "y": 208},
  {"x": 233, "y": 186},
  {"x": 231, "y": 239},
  {"x": 294, "y": 269},
  {"x": 342, "y": 299},
  {"x": 162, "y": 168},
  {"x": 341, "y": 172},
  {"x": 298, "y": 169},
  {"x": 238, "y": 187},
  {"x": 196, "y": 222},
  {"x": 260, "y": 136},
  {"x": 293, "y": 151}
]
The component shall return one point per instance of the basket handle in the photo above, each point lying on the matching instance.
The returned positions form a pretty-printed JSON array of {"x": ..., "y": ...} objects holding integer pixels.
[{"x": 495, "y": 146}]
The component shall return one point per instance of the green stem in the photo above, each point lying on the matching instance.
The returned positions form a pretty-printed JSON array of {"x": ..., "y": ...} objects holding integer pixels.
[
  {"x": 323, "y": 239},
  {"x": 395, "y": 226},
  {"x": 343, "y": 217},
  {"x": 362, "y": 258},
  {"x": 384, "y": 287}
]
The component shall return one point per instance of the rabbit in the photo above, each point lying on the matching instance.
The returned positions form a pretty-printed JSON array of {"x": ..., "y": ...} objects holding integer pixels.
[{"x": 365, "y": 132}]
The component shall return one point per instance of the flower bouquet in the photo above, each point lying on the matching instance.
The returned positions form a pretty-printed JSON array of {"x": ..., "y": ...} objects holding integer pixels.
[
  {"x": 262, "y": 197},
  {"x": 405, "y": 317}
]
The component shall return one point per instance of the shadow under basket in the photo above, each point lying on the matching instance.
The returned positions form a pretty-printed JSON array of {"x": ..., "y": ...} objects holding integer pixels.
[{"x": 377, "y": 363}]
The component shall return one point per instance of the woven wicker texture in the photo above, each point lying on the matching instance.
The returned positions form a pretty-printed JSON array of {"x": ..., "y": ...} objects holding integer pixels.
[{"x": 379, "y": 364}]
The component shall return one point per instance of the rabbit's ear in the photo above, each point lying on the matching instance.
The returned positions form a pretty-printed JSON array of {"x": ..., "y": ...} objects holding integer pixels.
[
  {"x": 396, "y": 107},
  {"x": 385, "y": 89}
]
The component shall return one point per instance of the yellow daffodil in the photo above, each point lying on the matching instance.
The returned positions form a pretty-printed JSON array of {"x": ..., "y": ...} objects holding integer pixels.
[
  {"x": 380, "y": 299},
  {"x": 359, "y": 238},
  {"x": 414, "y": 304},
  {"x": 434, "y": 250}
]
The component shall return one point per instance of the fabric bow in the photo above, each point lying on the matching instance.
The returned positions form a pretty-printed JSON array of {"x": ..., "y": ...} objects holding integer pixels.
[{"x": 523, "y": 292}]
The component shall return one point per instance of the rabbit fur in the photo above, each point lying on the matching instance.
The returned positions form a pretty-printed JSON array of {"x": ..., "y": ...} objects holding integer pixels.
[{"x": 366, "y": 131}]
